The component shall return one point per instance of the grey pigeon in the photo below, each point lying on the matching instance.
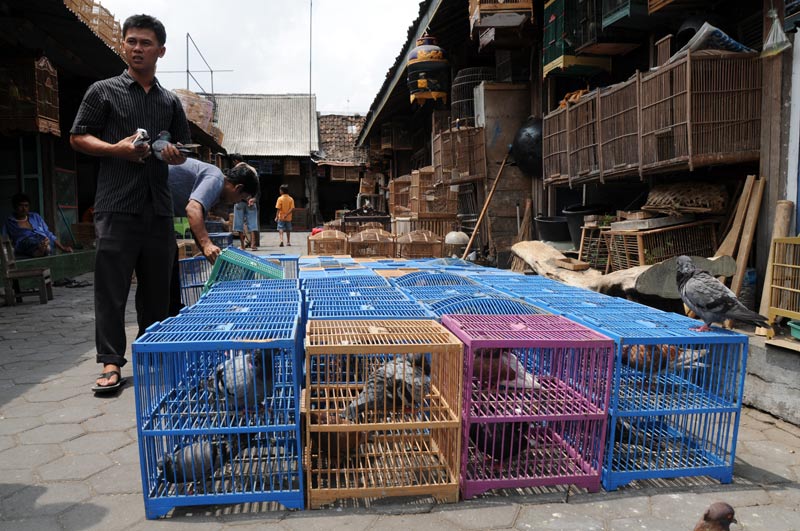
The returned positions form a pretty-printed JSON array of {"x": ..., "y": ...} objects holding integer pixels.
[
  {"x": 718, "y": 517},
  {"x": 242, "y": 380},
  {"x": 396, "y": 385},
  {"x": 162, "y": 141},
  {"x": 142, "y": 137},
  {"x": 195, "y": 462},
  {"x": 710, "y": 299}
]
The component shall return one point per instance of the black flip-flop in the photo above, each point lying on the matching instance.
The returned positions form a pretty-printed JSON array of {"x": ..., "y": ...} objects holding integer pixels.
[{"x": 101, "y": 389}]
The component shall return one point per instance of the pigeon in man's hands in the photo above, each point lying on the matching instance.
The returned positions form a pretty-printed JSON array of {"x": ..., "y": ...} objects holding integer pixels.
[
  {"x": 718, "y": 517},
  {"x": 710, "y": 299},
  {"x": 162, "y": 141}
]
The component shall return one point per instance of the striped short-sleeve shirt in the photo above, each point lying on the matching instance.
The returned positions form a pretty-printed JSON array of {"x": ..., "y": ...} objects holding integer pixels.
[{"x": 113, "y": 109}]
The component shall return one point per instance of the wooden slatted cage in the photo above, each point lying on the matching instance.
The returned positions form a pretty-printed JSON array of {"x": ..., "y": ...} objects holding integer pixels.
[
  {"x": 555, "y": 156},
  {"x": 584, "y": 162},
  {"x": 431, "y": 195},
  {"x": 646, "y": 247},
  {"x": 371, "y": 243},
  {"x": 618, "y": 129},
  {"x": 784, "y": 298},
  {"x": 327, "y": 242},
  {"x": 419, "y": 244},
  {"x": 29, "y": 96},
  {"x": 703, "y": 109},
  {"x": 399, "y": 194},
  {"x": 382, "y": 410}
]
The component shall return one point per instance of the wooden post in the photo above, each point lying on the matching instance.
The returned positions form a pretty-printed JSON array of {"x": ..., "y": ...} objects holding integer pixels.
[{"x": 485, "y": 207}]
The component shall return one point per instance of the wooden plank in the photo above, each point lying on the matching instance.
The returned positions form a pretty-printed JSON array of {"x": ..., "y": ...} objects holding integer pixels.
[
  {"x": 780, "y": 229},
  {"x": 791, "y": 344},
  {"x": 651, "y": 223},
  {"x": 728, "y": 245},
  {"x": 748, "y": 231}
]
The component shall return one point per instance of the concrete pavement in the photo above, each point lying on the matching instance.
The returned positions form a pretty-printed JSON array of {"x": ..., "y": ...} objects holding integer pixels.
[{"x": 69, "y": 460}]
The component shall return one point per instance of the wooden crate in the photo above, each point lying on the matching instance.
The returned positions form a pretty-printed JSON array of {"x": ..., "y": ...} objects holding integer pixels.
[
  {"x": 582, "y": 143},
  {"x": 327, "y": 242},
  {"x": 593, "y": 249},
  {"x": 555, "y": 155},
  {"x": 402, "y": 444},
  {"x": 430, "y": 195},
  {"x": 701, "y": 110},
  {"x": 628, "y": 249},
  {"x": 338, "y": 173},
  {"x": 419, "y": 244},
  {"x": 618, "y": 129}
]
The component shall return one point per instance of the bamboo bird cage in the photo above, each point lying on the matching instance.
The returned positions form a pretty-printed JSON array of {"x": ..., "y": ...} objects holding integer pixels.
[
  {"x": 363, "y": 445},
  {"x": 327, "y": 242},
  {"x": 419, "y": 244}
]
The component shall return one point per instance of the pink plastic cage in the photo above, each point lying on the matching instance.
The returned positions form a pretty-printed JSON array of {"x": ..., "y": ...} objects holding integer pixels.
[{"x": 536, "y": 395}]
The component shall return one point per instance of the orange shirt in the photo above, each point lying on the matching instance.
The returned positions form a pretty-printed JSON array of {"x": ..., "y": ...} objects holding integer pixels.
[{"x": 285, "y": 205}]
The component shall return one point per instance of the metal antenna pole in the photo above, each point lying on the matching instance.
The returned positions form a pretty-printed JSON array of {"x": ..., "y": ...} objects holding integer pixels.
[{"x": 187, "y": 61}]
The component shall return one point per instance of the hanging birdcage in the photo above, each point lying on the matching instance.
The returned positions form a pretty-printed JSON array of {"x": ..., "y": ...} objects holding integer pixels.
[{"x": 427, "y": 68}]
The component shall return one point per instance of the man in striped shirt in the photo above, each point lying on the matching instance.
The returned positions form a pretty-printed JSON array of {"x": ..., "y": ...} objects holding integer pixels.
[{"x": 133, "y": 206}]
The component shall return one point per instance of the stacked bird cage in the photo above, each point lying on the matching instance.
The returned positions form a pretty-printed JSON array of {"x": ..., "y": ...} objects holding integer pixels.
[
  {"x": 327, "y": 242},
  {"x": 382, "y": 410},
  {"x": 217, "y": 409},
  {"x": 555, "y": 153},
  {"x": 371, "y": 243},
  {"x": 419, "y": 244},
  {"x": 618, "y": 129},
  {"x": 194, "y": 274},
  {"x": 703, "y": 109},
  {"x": 628, "y": 248},
  {"x": 583, "y": 141},
  {"x": 431, "y": 196},
  {"x": 536, "y": 395},
  {"x": 677, "y": 394},
  {"x": 482, "y": 305},
  {"x": 399, "y": 190}
]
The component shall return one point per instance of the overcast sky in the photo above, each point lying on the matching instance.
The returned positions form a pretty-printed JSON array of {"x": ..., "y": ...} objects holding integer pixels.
[{"x": 266, "y": 44}]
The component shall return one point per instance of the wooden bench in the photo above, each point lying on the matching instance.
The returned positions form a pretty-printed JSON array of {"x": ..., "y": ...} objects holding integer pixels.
[{"x": 12, "y": 276}]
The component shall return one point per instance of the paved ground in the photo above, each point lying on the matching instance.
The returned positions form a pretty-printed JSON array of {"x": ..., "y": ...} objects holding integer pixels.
[{"x": 69, "y": 460}]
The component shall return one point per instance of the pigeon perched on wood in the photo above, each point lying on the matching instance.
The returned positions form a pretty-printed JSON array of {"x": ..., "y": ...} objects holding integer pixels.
[
  {"x": 243, "y": 380},
  {"x": 500, "y": 441},
  {"x": 162, "y": 141},
  {"x": 399, "y": 384},
  {"x": 718, "y": 517},
  {"x": 710, "y": 299}
]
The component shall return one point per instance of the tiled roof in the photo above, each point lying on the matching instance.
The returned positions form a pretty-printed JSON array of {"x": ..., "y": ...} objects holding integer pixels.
[
  {"x": 338, "y": 134},
  {"x": 268, "y": 125}
]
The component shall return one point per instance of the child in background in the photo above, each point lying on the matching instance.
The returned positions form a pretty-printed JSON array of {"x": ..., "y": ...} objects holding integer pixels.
[{"x": 283, "y": 215}]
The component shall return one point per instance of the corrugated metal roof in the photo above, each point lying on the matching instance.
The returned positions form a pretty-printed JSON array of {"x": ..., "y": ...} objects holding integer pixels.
[{"x": 268, "y": 125}]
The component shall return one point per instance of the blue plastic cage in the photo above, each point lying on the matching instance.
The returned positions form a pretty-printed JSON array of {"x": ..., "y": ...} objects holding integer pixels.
[
  {"x": 675, "y": 388},
  {"x": 271, "y": 284},
  {"x": 344, "y": 282},
  {"x": 223, "y": 240},
  {"x": 428, "y": 294},
  {"x": 338, "y": 309},
  {"x": 218, "y": 417},
  {"x": 464, "y": 304},
  {"x": 194, "y": 273},
  {"x": 360, "y": 294},
  {"x": 432, "y": 278}
]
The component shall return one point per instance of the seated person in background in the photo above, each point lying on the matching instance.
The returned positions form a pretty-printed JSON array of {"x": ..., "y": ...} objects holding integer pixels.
[
  {"x": 28, "y": 231},
  {"x": 197, "y": 187}
]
